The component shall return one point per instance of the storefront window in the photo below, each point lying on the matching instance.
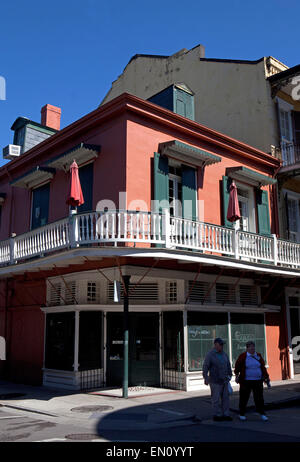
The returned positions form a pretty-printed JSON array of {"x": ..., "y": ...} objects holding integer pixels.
[
  {"x": 173, "y": 340},
  {"x": 245, "y": 327},
  {"x": 60, "y": 328},
  {"x": 203, "y": 328}
]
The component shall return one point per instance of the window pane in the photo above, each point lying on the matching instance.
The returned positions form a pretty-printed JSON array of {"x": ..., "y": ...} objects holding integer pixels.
[
  {"x": 59, "y": 352},
  {"x": 245, "y": 327},
  {"x": 203, "y": 328}
]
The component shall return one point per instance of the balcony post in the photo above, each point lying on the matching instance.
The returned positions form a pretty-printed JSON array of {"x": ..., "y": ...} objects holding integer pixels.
[
  {"x": 12, "y": 245},
  {"x": 167, "y": 227},
  {"x": 275, "y": 249},
  {"x": 235, "y": 243},
  {"x": 74, "y": 231}
]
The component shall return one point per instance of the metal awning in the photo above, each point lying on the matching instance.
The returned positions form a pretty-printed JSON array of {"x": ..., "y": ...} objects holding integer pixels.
[
  {"x": 82, "y": 153},
  {"x": 34, "y": 177},
  {"x": 187, "y": 153},
  {"x": 249, "y": 176}
]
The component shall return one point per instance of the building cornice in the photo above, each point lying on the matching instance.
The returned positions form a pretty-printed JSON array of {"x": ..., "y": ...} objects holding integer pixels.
[{"x": 130, "y": 103}]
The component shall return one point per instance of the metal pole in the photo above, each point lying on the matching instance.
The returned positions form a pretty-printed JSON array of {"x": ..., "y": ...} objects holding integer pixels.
[{"x": 126, "y": 335}]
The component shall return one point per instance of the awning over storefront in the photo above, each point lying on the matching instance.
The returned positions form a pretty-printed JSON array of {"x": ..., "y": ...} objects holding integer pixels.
[
  {"x": 82, "y": 153},
  {"x": 187, "y": 153},
  {"x": 249, "y": 176},
  {"x": 34, "y": 177}
]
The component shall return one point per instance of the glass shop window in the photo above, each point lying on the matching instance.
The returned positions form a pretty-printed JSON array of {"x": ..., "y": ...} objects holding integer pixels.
[
  {"x": 245, "y": 327},
  {"x": 203, "y": 328},
  {"x": 173, "y": 340}
]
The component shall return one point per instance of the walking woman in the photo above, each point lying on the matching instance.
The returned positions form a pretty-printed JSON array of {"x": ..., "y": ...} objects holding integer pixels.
[{"x": 250, "y": 373}]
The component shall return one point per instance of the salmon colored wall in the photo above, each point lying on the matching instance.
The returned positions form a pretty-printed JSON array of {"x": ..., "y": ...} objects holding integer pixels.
[
  {"x": 109, "y": 178},
  {"x": 25, "y": 332},
  {"x": 143, "y": 140},
  {"x": 276, "y": 346},
  {"x": 26, "y": 346}
]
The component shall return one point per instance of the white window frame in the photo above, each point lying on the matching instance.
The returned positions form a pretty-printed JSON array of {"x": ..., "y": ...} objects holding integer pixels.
[
  {"x": 291, "y": 195},
  {"x": 288, "y": 156},
  {"x": 251, "y": 206}
]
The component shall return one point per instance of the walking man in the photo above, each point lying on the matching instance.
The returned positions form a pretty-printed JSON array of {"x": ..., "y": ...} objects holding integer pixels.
[{"x": 217, "y": 373}]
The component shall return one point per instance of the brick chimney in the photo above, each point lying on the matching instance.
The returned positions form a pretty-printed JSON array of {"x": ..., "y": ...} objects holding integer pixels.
[{"x": 50, "y": 116}]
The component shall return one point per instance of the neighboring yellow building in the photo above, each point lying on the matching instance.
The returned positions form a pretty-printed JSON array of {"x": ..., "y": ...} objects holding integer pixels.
[{"x": 231, "y": 96}]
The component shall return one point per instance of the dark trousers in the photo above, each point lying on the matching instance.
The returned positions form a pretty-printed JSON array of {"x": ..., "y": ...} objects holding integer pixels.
[{"x": 245, "y": 391}]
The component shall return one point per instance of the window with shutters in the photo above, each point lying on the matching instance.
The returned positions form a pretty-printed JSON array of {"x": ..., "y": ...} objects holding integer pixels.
[
  {"x": 55, "y": 294},
  {"x": 248, "y": 295},
  {"x": 70, "y": 293},
  {"x": 145, "y": 293},
  {"x": 175, "y": 191},
  {"x": 199, "y": 291},
  {"x": 175, "y": 186},
  {"x": 225, "y": 293},
  {"x": 286, "y": 132}
]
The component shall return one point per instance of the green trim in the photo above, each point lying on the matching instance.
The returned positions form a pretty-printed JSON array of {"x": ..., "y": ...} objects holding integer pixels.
[
  {"x": 263, "y": 214},
  {"x": 21, "y": 121},
  {"x": 246, "y": 173},
  {"x": 161, "y": 179},
  {"x": 182, "y": 148},
  {"x": 225, "y": 189},
  {"x": 189, "y": 190}
]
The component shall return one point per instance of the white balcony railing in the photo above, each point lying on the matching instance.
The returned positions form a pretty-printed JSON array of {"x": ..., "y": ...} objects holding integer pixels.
[{"x": 119, "y": 227}]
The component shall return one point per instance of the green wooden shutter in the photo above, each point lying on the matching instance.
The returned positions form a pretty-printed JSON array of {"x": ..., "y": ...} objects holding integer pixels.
[
  {"x": 189, "y": 193},
  {"x": 263, "y": 215},
  {"x": 225, "y": 186},
  {"x": 161, "y": 181},
  {"x": 40, "y": 206},
  {"x": 86, "y": 176}
]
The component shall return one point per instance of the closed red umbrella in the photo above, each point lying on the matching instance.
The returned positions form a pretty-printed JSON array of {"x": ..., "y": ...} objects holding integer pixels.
[
  {"x": 233, "y": 211},
  {"x": 75, "y": 197}
]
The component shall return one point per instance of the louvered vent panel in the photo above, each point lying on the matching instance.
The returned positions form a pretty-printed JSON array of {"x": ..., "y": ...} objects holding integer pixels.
[
  {"x": 248, "y": 295},
  {"x": 199, "y": 292},
  {"x": 92, "y": 292},
  {"x": 147, "y": 292},
  {"x": 55, "y": 294},
  {"x": 70, "y": 293},
  {"x": 171, "y": 288},
  {"x": 225, "y": 293}
]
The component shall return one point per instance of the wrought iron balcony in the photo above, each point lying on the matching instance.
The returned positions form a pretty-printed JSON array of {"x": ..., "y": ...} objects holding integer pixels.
[
  {"x": 147, "y": 228},
  {"x": 289, "y": 154}
]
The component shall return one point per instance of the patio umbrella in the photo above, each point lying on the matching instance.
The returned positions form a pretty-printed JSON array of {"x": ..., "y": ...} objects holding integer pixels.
[
  {"x": 233, "y": 211},
  {"x": 75, "y": 197}
]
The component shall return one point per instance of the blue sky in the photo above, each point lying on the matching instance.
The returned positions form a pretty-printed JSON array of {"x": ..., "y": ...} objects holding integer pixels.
[{"x": 67, "y": 53}]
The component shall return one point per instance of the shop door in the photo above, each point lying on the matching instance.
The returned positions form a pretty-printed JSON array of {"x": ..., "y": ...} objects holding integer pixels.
[{"x": 143, "y": 349}]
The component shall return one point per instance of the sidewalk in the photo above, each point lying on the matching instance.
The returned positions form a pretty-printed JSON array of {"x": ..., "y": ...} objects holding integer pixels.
[{"x": 145, "y": 408}]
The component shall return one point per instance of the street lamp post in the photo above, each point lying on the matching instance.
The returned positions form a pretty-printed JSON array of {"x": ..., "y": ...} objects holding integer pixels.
[{"x": 126, "y": 280}]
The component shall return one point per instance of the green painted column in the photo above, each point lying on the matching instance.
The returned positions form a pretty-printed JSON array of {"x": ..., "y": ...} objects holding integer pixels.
[{"x": 126, "y": 280}]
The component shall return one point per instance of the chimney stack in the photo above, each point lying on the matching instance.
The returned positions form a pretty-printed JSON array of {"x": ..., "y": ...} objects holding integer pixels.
[{"x": 50, "y": 116}]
